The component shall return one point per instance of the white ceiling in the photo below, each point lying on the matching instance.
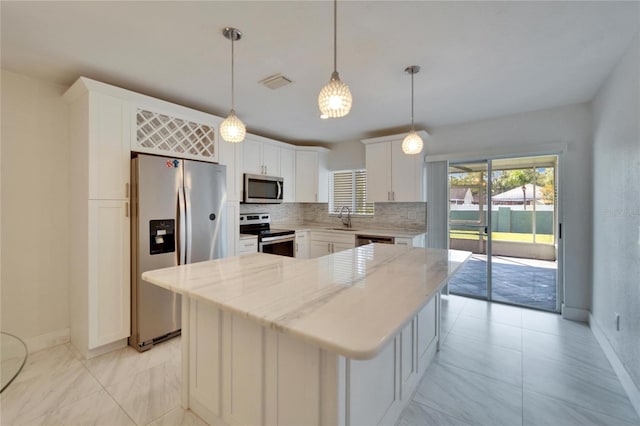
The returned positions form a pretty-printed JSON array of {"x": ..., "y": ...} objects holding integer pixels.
[{"x": 479, "y": 59}]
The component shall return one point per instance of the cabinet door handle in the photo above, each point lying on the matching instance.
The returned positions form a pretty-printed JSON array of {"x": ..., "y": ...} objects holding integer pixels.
[
  {"x": 393, "y": 195},
  {"x": 329, "y": 247}
]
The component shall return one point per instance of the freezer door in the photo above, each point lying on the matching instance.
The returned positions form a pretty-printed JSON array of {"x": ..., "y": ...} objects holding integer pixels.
[
  {"x": 156, "y": 184},
  {"x": 205, "y": 196}
]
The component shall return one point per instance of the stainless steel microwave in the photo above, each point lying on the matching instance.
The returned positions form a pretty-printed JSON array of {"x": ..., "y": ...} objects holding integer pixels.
[{"x": 263, "y": 189}]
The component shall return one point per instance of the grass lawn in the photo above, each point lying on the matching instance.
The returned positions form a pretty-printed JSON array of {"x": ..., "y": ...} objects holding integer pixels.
[{"x": 503, "y": 236}]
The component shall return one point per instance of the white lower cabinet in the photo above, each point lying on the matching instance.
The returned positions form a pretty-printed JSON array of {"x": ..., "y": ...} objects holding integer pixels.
[
  {"x": 302, "y": 244},
  {"x": 417, "y": 241},
  {"x": 108, "y": 293},
  {"x": 326, "y": 242},
  {"x": 243, "y": 373},
  {"x": 247, "y": 246}
]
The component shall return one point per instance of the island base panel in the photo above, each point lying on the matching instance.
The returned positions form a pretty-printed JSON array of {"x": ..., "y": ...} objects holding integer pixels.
[{"x": 241, "y": 372}]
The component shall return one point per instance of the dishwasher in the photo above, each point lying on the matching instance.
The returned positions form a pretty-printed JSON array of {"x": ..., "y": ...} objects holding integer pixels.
[{"x": 362, "y": 240}]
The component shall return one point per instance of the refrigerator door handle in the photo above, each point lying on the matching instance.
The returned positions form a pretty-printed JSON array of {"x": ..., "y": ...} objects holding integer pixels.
[
  {"x": 181, "y": 227},
  {"x": 189, "y": 225}
]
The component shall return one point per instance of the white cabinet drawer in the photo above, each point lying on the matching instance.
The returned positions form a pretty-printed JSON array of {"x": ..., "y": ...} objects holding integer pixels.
[{"x": 247, "y": 246}]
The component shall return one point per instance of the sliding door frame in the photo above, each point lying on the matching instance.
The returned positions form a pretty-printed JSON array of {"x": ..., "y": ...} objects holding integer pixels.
[{"x": 557, "y": 150}]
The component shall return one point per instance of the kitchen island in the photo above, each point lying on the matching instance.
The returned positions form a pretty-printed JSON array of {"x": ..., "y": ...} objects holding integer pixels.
[{"x": 340, "y": 339}]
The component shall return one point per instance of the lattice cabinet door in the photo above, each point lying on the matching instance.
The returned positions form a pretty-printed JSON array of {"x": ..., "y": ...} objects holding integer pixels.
[{"x": 164, "y": 134}]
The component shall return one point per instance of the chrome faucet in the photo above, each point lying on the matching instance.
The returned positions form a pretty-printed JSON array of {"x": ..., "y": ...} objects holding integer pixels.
[{"x": 348, "y": 222}]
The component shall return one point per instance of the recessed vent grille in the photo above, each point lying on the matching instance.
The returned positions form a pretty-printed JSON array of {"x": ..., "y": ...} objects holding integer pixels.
[
  {"x": 159, "y": 132},
  {"x": 275, "y": 81}
]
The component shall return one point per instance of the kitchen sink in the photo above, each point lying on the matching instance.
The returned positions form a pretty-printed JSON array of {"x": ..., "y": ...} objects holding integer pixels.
[{"x": 341, "y": 229}]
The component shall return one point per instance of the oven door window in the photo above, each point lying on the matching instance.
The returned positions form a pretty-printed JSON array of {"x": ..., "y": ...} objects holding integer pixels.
[{"x": 282, "y": 248}]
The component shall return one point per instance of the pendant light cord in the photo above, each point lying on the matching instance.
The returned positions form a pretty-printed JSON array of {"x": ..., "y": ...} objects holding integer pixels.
[
  {"x": 412, "y": 128},
  {"x": 335, "y": 35},
  {"x": 233, "y": 37}
]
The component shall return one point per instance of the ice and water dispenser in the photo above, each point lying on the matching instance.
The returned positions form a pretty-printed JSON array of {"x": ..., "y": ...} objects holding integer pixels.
[{"x": 162, "y": 236}]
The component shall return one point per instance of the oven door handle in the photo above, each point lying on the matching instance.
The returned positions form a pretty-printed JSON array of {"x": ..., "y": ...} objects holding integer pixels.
[{"x": 277, "y": 239}]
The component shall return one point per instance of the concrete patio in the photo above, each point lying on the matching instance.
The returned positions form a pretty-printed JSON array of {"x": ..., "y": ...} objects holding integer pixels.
[{"x": 526, "y": 282}]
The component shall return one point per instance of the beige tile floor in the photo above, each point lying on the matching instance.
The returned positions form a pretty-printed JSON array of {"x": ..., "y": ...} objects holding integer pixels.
[
  {"x": 498, "y": 365},
  {"x": 123, "y": 387}
]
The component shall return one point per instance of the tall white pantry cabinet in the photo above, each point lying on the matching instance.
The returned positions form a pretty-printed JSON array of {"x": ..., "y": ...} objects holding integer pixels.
[
  {"x": 99, "y": 178},
  {"x": 107, "y": 124}
]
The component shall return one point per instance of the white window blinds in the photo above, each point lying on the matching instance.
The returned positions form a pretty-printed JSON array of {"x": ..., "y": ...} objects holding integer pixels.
[{"x": 349, "y": 188}]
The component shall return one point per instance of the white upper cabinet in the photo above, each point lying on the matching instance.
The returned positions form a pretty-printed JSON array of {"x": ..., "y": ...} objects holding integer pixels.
[
  {"x": 391, "y": 174},
  {"x": 312, "y": 175},
  {"x": 252, "y": 157},
  {"x": 109, "y": 133},
  {"x": 378, "y": 165},
  {"x": 288, "y": 173},
  {"x": 100, "y": 133},
  {"x": 260, "y": 158},
  {"x": 271, "y": 160}
]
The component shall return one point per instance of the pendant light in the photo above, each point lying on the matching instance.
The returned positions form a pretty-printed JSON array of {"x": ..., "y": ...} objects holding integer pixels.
[
  {"x": 412, "y": 143},
  {"x": 232, "y": 128},
  {"x": 335, "y": 98}
]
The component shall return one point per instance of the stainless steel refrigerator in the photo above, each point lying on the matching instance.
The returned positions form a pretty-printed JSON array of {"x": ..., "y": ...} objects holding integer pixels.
[{"x": 178, "y": 217}]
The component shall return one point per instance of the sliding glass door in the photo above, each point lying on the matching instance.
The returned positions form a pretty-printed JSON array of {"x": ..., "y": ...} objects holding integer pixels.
[
  {"x": 468, "y": 226},
  {"x": 505, "y": 212}
]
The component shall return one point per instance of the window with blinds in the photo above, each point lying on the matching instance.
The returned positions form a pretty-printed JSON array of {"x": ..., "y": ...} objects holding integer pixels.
[{"x": 349, "y": 188}]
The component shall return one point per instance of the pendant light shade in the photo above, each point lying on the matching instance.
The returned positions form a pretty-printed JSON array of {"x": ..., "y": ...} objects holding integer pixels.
[
  {"x": 412, "y": 143},
  {"x": 232, "y": 128},
  {"x": 335, "y": 99}
]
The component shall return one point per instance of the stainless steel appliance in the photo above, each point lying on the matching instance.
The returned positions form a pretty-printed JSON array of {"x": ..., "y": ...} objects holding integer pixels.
[
  {"x": 177, "y": 217},
  {"x": 273, "y": 241},
  {"x": 263, "y": 189},
  {"x": 362, "y": 240}
]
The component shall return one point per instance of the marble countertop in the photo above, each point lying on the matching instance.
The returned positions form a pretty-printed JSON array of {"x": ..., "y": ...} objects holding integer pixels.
[
  {"x": 351, "y": 302},
  {"x": 357, "y": 230}
]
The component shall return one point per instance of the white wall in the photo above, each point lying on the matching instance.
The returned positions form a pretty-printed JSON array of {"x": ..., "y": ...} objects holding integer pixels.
[
  {"x": 346, "y": 156},
  {"x": 35, "y": 203},
  {"x": 616, "y": 209},
  {"x": 526, "y": 133}
]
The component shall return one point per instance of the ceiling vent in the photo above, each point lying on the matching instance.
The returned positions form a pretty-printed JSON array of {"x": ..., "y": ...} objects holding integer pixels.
[{"x": 275, "y": 81}]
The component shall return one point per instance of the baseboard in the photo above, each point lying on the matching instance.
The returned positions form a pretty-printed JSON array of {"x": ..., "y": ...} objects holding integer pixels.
[
  {"x": 625, "y": 379},
  {"x": 48, "y": 340},
  {"x": 575, "y": 314},
  {"x": 118, "y": 344}
]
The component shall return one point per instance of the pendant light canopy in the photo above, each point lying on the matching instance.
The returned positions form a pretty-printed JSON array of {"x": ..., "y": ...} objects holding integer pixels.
[
  {"x": 335, "y": 98},
  {"x": 232, "y": 128},
  {"x": 412, "y": 143}
]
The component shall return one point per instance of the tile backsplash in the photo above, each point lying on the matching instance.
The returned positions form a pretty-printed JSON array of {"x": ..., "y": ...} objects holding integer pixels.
[{"x": 387, "y": 215}]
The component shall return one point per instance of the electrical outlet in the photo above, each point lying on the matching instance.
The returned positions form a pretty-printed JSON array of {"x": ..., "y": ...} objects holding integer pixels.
[{"x": 617, "y": 321}]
